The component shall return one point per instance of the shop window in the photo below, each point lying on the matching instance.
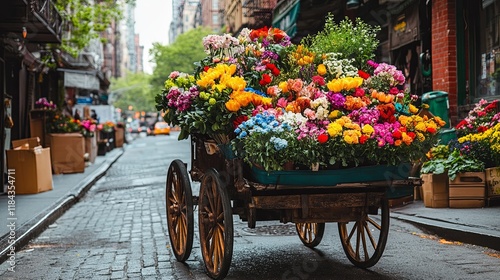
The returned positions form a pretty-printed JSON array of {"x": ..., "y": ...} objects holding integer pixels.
[{"x": 488, "y": 57}]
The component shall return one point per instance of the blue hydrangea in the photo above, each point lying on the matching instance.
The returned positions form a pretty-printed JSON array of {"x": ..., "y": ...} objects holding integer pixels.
[{"x": 279, "y": 143}]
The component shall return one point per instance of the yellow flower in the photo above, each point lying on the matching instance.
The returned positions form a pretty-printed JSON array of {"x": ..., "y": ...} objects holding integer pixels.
[
  {"x": 334, "y": 114},
  {"x": 421, "y": 126},
  {"x": 368, "y": 129},
  {"x": 334, "y": 129},
  {"x": 413, "y": 109},
  {"x": 321, "y": 69},
  {"x": 283, "y": 86},
  {"x": 335, "y": 85},
  {"x": 351, "y": 136}
]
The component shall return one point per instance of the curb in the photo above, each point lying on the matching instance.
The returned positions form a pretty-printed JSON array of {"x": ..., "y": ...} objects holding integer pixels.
[
  {"x": 32, "y": 228},
  {"x": 451, "y": 231}
]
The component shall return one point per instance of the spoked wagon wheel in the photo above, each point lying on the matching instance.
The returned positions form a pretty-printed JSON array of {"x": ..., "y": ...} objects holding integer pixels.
[
  {"x": 180, "y": 218},
  {"x": 310, "y": 233},
  {"x": 216, "y": 225},
  {"x": 364, "y": 240}
]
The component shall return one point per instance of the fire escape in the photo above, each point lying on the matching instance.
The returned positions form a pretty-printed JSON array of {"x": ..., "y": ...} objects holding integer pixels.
[{"x": 259, "y": 12}]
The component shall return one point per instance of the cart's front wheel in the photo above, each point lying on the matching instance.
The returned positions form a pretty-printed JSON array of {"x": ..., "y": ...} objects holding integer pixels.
[
  {"x": 310, "y": 233},
  {"x": 179, "y": 203},
  {"x": 216, "y": 225},
  {"x": 364, "y": 240}
]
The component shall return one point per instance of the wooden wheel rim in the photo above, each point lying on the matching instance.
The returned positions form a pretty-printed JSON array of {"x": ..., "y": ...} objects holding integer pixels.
[
  {"x": 216, "y": 226},
  {"x": 179, "y": 211},
  {"x": 310, "y": 233},
  {"x": 364, "y": 240}
]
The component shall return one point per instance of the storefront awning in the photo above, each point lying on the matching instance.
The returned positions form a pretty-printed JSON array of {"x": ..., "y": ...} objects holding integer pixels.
[
  {"x": 80, "y": 79},
  {"x": 285, "y": 16}
]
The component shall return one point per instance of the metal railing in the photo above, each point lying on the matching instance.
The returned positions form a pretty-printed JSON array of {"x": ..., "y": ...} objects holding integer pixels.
[{"x": 46, "y": 11}]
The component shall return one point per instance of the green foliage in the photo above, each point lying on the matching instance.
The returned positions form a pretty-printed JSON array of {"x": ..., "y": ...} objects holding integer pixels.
[
  {"x": 178, "y": 56},
  {"x": 86, "y": 20},
  {"x": 133, "y": 89},
  {"x": 454, "y": 164},
  {"x": 351, "y": 40}
]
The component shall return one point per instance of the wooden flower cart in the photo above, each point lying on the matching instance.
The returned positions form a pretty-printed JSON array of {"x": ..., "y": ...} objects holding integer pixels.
[{"x": 356, "y": 199}]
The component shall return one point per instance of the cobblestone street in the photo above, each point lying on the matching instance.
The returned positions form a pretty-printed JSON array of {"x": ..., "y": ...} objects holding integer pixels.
[{"x": 114, "y": 232}]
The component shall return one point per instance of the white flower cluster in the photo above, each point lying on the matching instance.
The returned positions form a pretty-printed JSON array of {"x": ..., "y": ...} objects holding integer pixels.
[{"x": 340, "y": 68}]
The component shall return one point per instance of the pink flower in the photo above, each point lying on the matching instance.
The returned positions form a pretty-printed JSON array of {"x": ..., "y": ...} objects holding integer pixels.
[
  {"x": 174, "y": 74},
  {"x": 310, "y": 114},
  {"x": 282, "y": 103}
]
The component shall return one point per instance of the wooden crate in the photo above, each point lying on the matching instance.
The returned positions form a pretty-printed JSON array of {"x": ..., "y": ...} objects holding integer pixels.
[{"x": 468, "y": 190}]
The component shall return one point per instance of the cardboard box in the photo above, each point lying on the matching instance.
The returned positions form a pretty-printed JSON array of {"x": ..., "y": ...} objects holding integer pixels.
[
  {"x": 493, "y": 181},
  {"x": 91, "y": 147},
  {"x": 435, "y": 190},
  {"x": 38, "y": 121},
  {"x": 119, "y": 137},
  {"x": 67, "y": 152},
  {"x": 31, "y": 164}
]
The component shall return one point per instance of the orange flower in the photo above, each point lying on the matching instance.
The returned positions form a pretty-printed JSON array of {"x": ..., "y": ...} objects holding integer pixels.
[{"x": 232, "y": 105}]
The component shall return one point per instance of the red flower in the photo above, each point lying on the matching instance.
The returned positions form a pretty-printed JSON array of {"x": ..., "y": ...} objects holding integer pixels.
[
  {"x": 266, "y": 79},
  {"x": 359, "y": 92},
  {"x": 431, "y": 130},
  {"x": 277, "y": 34},
  {"x": 491, "y": 106},
  {"x": 363, "y": 74},
  {"x": 482, "y": 128},
  {"x": 205, "y": 69},
  {"x": 397, "y": 134},
  {"x": 318, "y": 80},
  {"x": 412, "y": 134},
  {"x": 461, "y": 124},
  {"x": 322, "y": 138},
  {"x": 274, "y": 70},
  {"x": 239, "y": 120},
  {"x": 363, "y": 138},
  {"x": 259, "y": 33}
]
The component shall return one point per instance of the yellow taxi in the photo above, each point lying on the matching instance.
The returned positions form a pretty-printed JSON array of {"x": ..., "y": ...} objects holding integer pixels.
[{"x": 161, "y": 128}]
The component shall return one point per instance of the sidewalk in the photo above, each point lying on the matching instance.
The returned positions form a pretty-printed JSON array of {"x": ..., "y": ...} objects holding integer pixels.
[
  {"x": 477, "y": 226},
  {"x": 33, "y": 213}
]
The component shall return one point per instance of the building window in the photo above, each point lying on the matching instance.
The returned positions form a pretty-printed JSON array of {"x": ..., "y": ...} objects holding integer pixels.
[{"x": 488, "y": 56}]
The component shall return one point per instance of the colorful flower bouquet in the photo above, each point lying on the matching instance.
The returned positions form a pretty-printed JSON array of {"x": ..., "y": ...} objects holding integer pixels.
[
  {"x": 44, "y": 104},
  {"x": 479, "y": 134},
  {"x": 88, "y": 127},
  {"x": 106, "y": 127},
  {"x": 276, "y": 102}
]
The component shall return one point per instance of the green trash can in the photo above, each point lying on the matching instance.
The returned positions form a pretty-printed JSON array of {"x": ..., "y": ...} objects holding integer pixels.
[{"x": 438, "y": 105}]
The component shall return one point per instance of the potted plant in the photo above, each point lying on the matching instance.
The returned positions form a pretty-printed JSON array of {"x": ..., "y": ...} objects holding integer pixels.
[{"x": 435, "y": 178}]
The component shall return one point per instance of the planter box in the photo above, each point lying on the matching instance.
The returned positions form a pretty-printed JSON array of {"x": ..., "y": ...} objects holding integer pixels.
[
  {"x": 119, "y": 137},
  {"x": 67, "y": 152},
  {"x": 332, "y": 177},
  {"x": 31, "y": 164},
  {"x": 493, "y": 182},
  {"x": 468, "y": 190},
  {"x": 435, "y": 190},
  {"x": 91, "y": 147}
]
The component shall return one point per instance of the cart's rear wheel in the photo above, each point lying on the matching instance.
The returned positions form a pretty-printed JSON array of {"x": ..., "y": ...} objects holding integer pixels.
[
  {"x": 216, "y": 225},
  {"x": 310, "y": 233},
  {"x": 364, "y": 240},
  {"x": 180, "y": 218}
]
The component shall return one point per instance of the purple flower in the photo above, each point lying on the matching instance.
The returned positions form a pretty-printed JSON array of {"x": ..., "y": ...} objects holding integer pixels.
[{"x": 337, "y": 100}]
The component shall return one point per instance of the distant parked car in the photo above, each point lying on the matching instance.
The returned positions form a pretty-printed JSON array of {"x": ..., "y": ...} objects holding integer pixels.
[
  {"x": 161, "y": 128},
  {"x": 134, "y": 127}
]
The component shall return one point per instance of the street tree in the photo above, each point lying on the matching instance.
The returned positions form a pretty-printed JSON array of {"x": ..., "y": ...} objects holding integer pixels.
[
  {"x": 86, "y": 19},
  {"x": 178, "y": 56},
  {"x": 134, "y": 90}
]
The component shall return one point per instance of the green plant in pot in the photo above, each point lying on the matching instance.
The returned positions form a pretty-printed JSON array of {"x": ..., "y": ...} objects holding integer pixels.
[{"x": 455, "y": 163}]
